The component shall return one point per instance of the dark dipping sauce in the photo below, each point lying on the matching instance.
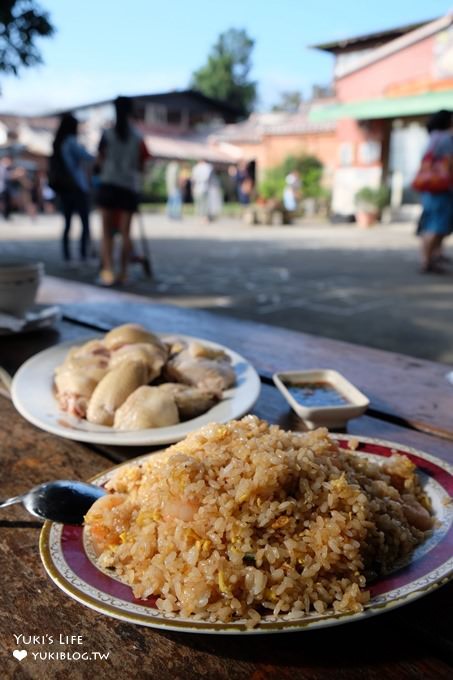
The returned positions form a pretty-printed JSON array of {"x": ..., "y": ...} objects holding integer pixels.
[{"x": 316, "y": 394}]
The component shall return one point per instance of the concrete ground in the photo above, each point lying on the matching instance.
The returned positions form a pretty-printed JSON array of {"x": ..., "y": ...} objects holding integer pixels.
[{"x": 362, "y": 286}]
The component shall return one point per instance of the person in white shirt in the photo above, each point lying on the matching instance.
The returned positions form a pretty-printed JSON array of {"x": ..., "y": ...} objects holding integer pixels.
[
  {"x": 122, "y": 156},
  {"x": 292, "y": 191},
  {"x": 173, "y": 185},
  {"x": 201, "y": 175}
]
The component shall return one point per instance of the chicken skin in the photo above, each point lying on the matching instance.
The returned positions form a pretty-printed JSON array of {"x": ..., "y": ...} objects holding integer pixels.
[
  {"x": 191, "y": 401},
  {"x": 113, "y": 390},
  {"x": 146, "y": 407},
  {"x": 77, "y": 377},
  {"x": 130, "y": 334},
  {"x": 193, "y": 367},
  {"x": 153, "y": 356},
  {"x": 118, "y": 381}
]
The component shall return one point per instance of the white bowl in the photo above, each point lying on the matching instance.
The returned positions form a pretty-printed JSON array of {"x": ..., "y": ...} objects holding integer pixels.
[
  {"x": 19, "y": 282},
  {"x": 328, "y": 415}
]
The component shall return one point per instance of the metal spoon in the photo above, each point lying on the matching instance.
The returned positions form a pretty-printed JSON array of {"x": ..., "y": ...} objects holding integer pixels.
[{"x": 61, "y": 501}]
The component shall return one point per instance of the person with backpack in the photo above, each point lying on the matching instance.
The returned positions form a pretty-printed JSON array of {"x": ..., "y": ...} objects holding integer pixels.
[
  {"x": 69, "y": 178},
  {"x": 434, "y": 181}
]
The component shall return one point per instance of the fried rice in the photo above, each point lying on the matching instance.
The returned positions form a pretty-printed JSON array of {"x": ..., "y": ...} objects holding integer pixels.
[{"x": 244, "y": 519}]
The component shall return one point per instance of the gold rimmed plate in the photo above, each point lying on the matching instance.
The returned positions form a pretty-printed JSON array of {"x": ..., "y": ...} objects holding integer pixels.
[{"x": 68, "y": 560}]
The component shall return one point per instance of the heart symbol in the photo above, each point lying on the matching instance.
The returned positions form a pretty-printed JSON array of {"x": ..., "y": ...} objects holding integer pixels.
[{"x": 20, "y": 654}]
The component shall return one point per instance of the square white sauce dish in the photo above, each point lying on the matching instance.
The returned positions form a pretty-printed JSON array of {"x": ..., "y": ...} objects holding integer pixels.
[{"x": 321, "y": 397}]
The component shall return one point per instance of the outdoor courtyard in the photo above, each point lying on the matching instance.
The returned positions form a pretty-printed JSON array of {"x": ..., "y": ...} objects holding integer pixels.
[{"x": 338, "y": 281}]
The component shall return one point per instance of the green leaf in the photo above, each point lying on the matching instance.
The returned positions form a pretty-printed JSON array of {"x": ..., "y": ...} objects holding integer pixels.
[{"x": 226, "y": 73}]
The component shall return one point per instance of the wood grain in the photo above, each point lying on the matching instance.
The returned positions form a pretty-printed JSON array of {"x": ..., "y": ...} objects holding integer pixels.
[
  {"x": 400, "y": 644},
  {"x": 415, "y": 641}
]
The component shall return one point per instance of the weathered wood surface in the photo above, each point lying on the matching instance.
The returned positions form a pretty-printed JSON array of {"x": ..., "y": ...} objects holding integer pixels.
[
  {"x": 413, "y": 642},
  {"x": 54, "y": 290}
]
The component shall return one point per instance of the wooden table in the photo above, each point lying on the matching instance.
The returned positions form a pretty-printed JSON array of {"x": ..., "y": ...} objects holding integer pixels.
[{"x": 411, "y": 403}]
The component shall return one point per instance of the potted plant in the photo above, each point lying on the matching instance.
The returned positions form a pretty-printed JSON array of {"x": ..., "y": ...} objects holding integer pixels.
[{"x": 369, "y": 204}]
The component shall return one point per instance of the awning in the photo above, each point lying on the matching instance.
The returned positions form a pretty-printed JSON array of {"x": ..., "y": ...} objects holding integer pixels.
[
  {"x": 388, "y": 107},
  {"x": 176, "y": 148}
]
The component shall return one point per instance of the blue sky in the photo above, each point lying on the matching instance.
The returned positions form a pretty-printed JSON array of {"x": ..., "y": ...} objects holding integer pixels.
[{"x": 106, "y": 47}]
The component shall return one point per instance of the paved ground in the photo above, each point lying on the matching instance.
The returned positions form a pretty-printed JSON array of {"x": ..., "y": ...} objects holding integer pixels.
[{"x": 334, "y": 280}]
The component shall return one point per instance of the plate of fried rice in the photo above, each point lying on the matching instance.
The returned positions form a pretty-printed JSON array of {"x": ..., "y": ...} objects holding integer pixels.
[{"x": 243, "y": 527}]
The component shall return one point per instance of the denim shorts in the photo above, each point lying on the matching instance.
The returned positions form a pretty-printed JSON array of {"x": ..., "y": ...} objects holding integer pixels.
[{"x": 437, "y": 213}]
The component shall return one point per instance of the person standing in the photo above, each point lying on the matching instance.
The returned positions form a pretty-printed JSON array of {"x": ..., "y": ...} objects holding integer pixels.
[
  {"x": 215, "y": 197},
  {"x": 173, "y": 185},
  {"x": 435, "y": 183},
  {"x": 122, "y": 155},
  {"x": 201, "y": 174},
  {"x": 244, "y": 184},
  {"x": 5, "y": 189},
  {"x": 186, "y": 184},
  {"x": 291, "y": 192},
  {"x": 68, "y": 177}
]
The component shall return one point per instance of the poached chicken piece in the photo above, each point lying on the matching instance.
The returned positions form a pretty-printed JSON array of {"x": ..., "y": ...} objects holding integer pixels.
[
  {"x": 191, "y": 401},
  {"x": 118, "y": 381},
  {"x": 202, "y": 367},
  {"x": 130, "y": 334},
  {"x": 77, "y": 377},
  {"x": 153, "y": 356},
  {"x": 113, "y": 390},
  {"x": 146, "y": 407}
]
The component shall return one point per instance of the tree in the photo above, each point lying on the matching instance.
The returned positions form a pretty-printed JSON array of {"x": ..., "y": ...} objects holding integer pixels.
[
  {"x": 21, "y": 22},
  {"x": 289, "y": 101},
  {"x": 310, "y": 169},
  {"x": 322, "y": 91},
  {"x": 226, "y": 74}
]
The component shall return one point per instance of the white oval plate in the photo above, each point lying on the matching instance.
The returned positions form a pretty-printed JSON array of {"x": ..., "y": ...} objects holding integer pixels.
[
  {"x": 67, "y": 559},
  {"x": 33, "y": 396}
]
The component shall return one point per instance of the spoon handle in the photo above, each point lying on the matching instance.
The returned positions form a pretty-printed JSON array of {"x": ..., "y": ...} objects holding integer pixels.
[{"x": 10, "y": 501}]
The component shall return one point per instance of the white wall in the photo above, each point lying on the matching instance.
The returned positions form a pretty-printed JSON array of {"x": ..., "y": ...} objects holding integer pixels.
[{"x": 347, "y": 182}]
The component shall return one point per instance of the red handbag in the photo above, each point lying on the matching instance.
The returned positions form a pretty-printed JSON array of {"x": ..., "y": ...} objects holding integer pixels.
[{"x": 434, "y": 175}]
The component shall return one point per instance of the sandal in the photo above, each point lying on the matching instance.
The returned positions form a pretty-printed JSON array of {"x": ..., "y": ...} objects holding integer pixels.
[{"x": 106, "y": 277}]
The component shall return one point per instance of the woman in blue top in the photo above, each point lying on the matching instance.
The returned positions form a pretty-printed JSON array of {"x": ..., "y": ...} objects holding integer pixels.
[
  {"x": 437, "y": 217},
  {"x": 73, "y": 188}
]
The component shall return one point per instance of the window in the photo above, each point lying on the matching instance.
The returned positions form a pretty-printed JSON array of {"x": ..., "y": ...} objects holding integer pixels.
[
  {"x": 346, "y": 153},
  {"x": 156, "y": 113},
  {"x": 174, "y": 117},
  {"x": 369, "y": 152}
]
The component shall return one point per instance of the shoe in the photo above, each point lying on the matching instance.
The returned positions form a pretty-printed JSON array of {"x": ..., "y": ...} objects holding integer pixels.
[
  {"x": 432, "y": 269},
  {"x": 106, "y": 278},
  {"x": 121, "y": 280},
  {"x": 443, "y": 259}
]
